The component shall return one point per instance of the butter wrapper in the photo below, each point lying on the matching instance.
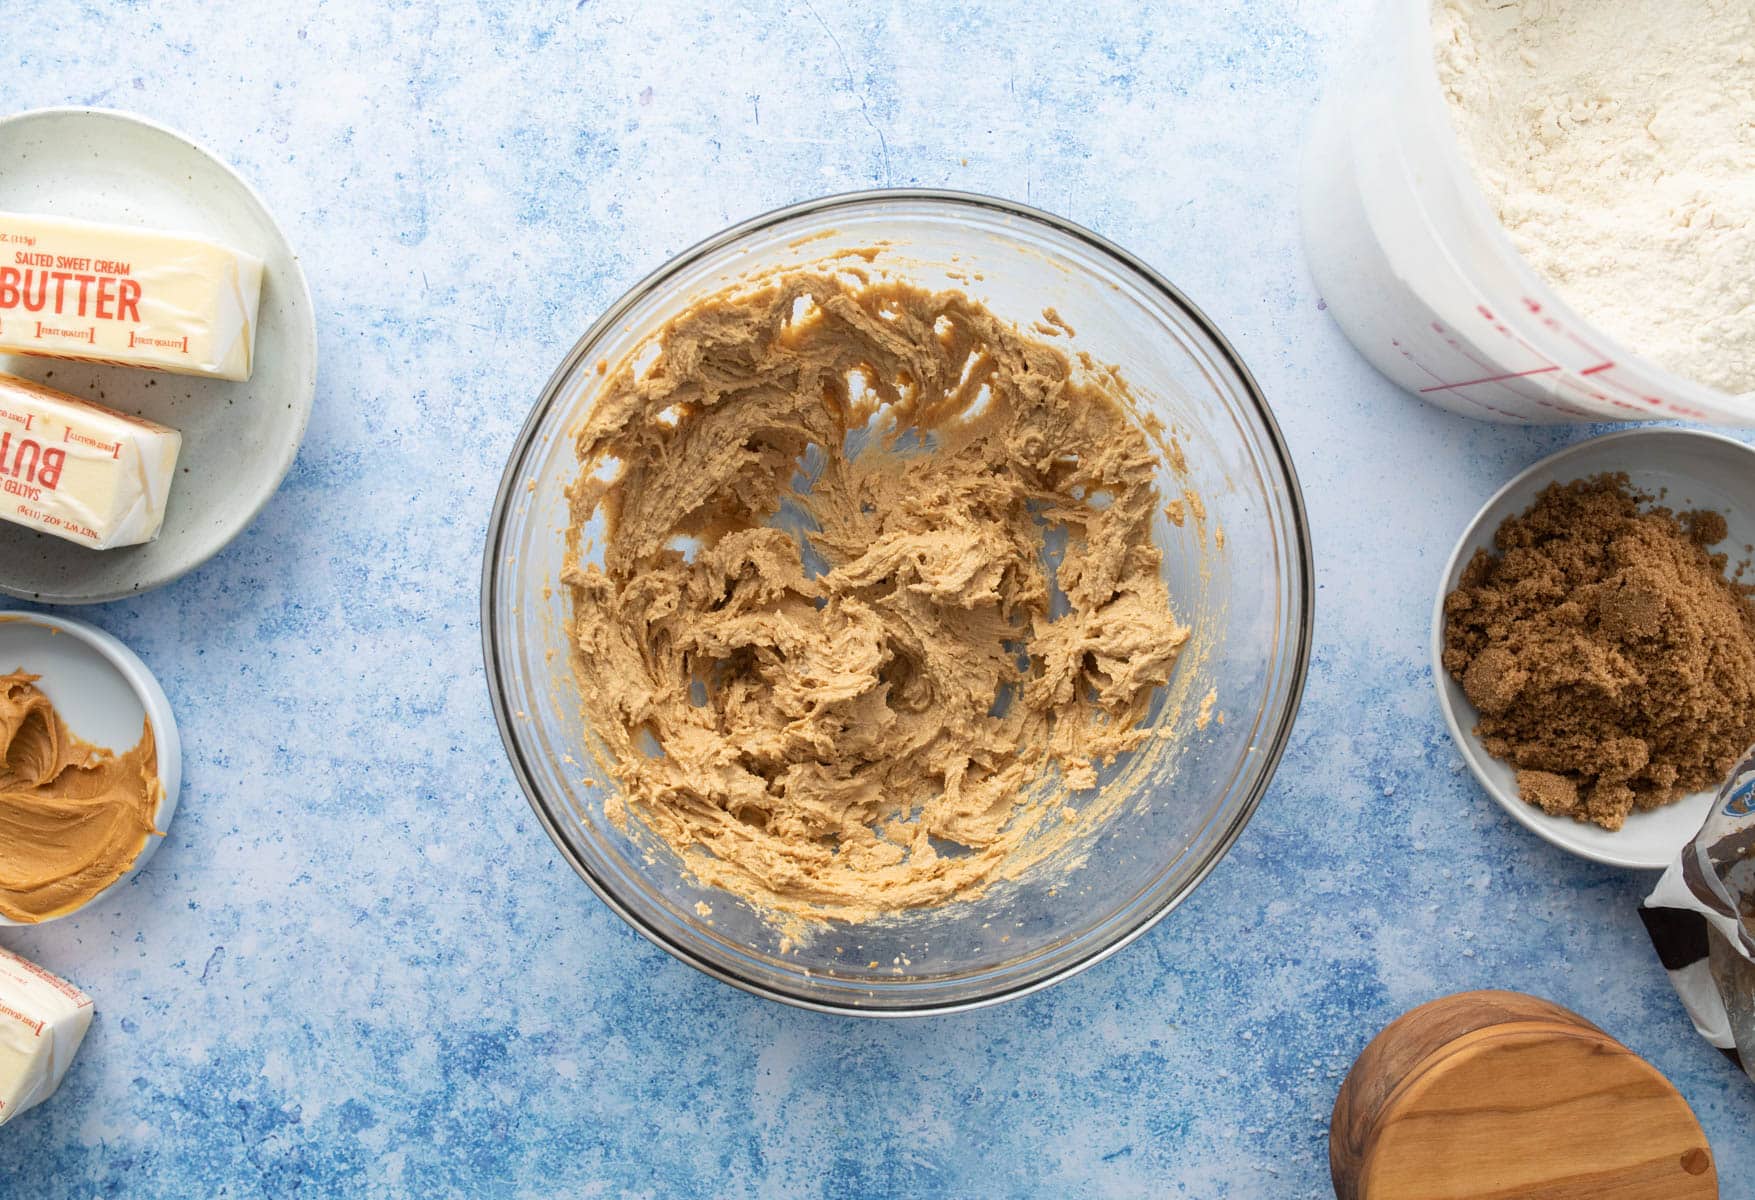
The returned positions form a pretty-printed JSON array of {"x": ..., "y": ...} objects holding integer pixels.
[
  {"x": 42, "y": 1021},
  {"x": 133, "y": 297},
  {"x": 1701, "y": 918},
  {"x": 80, "y": 471}
]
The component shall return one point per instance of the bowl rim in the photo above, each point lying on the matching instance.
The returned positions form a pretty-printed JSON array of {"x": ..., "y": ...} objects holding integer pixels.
[
  {"x": 1303, "y": 579},
  {"x": 169, "y": 741},
  {"x": 1553, "y": 830}
]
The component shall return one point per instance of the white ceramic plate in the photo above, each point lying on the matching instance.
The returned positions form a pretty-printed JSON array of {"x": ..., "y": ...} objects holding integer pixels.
[
  {"x": 103, "y": 691},
  {"x": 239, "y": 439},
  {"x": 1691, "y": 470}
]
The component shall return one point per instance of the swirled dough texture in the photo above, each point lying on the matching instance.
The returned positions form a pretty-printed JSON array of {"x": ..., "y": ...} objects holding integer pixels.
[
  {"x": 73, "y": 817},
  {"x": 877, "y": 591}
]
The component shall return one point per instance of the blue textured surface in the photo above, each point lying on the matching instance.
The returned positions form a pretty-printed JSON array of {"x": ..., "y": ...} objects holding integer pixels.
[{"x": 357, "y": 966}]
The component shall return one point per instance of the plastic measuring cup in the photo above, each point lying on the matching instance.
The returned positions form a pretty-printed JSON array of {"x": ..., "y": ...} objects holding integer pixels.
[{"x": 1418, "y": 271}]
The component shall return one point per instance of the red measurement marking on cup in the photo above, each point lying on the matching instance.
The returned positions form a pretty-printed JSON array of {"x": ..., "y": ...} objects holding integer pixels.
[
  {"x": 1475, "y": 400},
  {"x": 1451, "y": 341},
  {"x": 1607, "y": 363},
  {"x": 1504, "y": 380},
  {"x": 1499, "y": 326},
  {"x": 1445, "y": 387},
  {"x": 1674, "y": 408},
  {"x": 1686, "y": 411},
  {"x": 1502, "y": 328},
  {"x": 1510, "y": 334},
  {"x": 1602, "y": 397},
  {"x": 1644, "y": 402},
  {"x": 1405, "y": 354}
]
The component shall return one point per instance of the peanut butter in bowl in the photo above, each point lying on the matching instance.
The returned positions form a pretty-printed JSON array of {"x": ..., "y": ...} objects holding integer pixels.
[{"x": 74, "y": 817}]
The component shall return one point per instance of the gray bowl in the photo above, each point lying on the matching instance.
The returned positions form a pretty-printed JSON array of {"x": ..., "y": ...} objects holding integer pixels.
[{"x": 1692, "y": 470}]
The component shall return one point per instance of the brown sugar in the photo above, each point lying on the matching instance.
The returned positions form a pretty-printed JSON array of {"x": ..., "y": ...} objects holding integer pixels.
[{"x": 1611, "y": 660}]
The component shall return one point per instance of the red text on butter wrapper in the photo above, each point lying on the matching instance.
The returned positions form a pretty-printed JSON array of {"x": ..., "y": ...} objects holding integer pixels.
[
  {"x": 27, "y": 467},
  {"x": 91, "y": 288}
]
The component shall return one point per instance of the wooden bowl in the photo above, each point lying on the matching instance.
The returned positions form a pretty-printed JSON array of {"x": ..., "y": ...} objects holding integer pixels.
[{"x": 1501, "y": 1096}]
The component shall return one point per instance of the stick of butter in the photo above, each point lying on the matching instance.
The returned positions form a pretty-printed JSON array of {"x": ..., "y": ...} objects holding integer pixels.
[
  {"x": 80, "y": 471},
  {"x": 108, "y": 293},
  {"x": 42, "y": 1021}
]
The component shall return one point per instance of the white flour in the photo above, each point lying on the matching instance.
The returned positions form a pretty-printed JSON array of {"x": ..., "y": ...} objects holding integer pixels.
[{"x": 1616, "y": 139}]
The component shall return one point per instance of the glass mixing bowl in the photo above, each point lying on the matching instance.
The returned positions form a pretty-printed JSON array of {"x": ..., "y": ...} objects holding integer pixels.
[{"x": 1241, "y": 578}]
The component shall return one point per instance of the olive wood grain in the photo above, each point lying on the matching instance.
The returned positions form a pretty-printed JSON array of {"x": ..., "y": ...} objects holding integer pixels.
[{"x": 1501, "y": 1096}]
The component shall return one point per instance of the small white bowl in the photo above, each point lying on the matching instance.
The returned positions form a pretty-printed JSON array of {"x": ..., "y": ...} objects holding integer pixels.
[
  {"x": 239, "y": 439},
  {"x": 103, "y": 691},
  {"x": 1688, "y": 469}
]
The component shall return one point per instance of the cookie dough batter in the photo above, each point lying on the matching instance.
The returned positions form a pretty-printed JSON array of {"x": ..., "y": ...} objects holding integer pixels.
[
  {"x": 877, "y": 591},
  {"x": 73, "y": 817}
]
